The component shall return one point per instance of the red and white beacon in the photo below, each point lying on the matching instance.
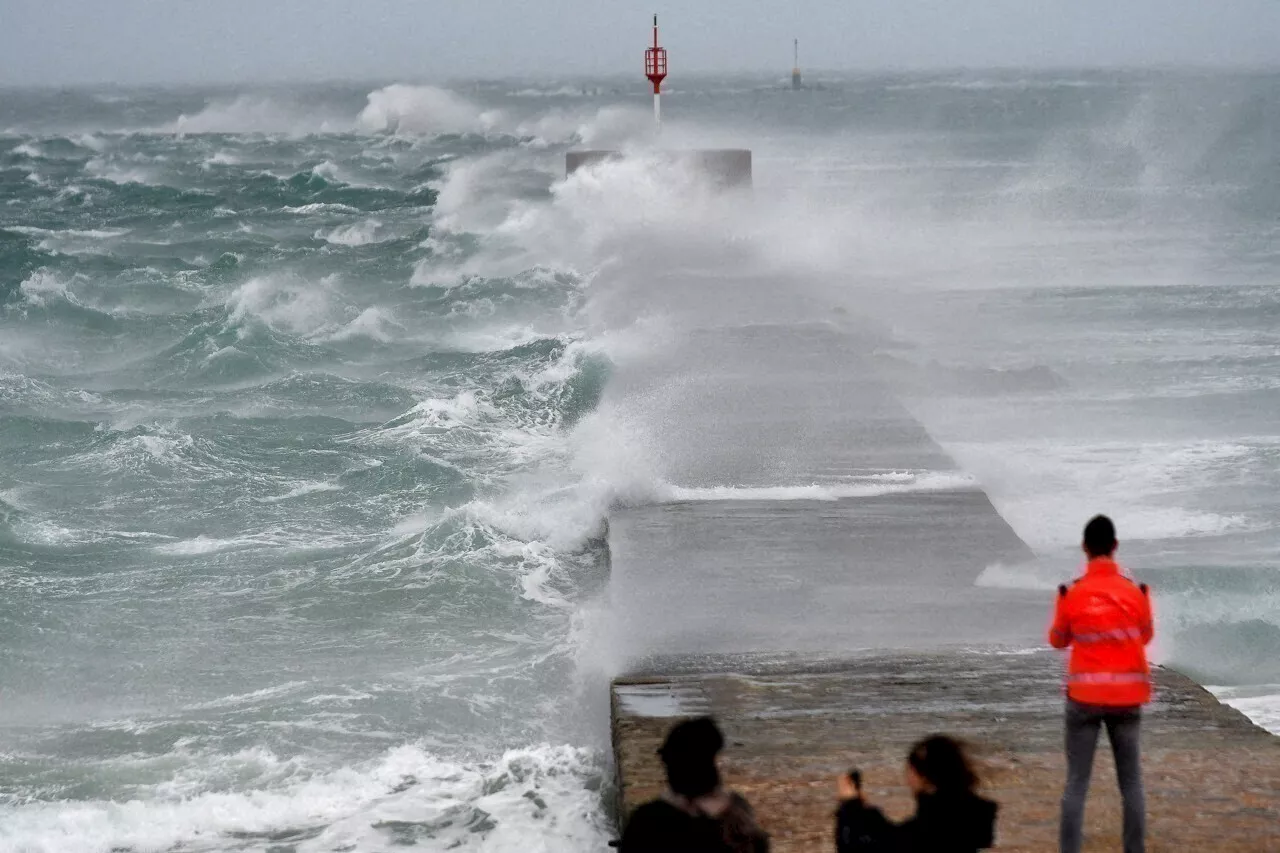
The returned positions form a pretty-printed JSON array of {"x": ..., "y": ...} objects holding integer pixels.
[{"x": 655, "y": 68}]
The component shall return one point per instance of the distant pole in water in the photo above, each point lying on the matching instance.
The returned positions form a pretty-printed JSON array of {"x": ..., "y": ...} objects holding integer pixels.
[
  {"x": 655, "y": 68},
  {"x": 795, "y": 69}
]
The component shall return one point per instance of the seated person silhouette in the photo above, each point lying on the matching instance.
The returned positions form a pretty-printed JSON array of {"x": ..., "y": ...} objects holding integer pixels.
[{"x": 695, "y": 814}]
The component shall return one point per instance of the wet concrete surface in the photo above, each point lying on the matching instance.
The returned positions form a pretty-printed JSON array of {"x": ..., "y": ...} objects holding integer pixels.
[
  {"x": 751, "y": 576},
  {"x": 808, "y": 510}
]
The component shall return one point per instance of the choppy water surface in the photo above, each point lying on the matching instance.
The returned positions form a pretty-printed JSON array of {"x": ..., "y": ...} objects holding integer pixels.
[{"x": 302, "y": 475}]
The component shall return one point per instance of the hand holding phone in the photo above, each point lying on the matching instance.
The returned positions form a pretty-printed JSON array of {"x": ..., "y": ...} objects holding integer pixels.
[{"x": 849, "y": 786}]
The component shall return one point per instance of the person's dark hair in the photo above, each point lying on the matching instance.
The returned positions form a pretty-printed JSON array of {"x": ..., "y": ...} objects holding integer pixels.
[
  {"x": 941, "y": 760},
  {"x": 689, "y": 754},
  {"x": 1100, "y": 537}
]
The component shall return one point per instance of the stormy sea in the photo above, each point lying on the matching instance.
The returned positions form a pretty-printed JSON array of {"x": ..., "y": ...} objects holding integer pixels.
[{"x": 304, "y": 466}]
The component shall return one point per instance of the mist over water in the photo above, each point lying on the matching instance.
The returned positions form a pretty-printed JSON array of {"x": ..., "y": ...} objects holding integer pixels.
[{"x": 304, "y": 465}]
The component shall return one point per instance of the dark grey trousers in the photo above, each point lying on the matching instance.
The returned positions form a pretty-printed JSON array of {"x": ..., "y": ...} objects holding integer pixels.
[{"x": 1082, "y": 724}]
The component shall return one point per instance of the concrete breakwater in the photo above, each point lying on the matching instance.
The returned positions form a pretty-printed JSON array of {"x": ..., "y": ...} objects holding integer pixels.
[
  {"x": 810, "y": 512},
  {"x": 810, "y": 517}
]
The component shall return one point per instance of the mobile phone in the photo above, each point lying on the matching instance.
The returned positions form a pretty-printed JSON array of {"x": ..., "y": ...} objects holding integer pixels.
[{"x": 855, "y": 776}]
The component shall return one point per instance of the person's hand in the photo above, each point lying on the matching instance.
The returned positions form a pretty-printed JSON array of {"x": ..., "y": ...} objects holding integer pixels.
[{"x": 846, "y": 790}]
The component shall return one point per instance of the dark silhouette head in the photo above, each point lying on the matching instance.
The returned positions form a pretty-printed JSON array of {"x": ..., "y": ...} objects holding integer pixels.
[
  {"x": 941, "y": 763},
  {"x": 689, "y": 754},
  {"x": 1100, "y": 537}
]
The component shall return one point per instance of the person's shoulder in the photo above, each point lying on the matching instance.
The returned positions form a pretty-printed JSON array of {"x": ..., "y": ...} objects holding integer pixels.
[
  {"x": 1087, "y": 584},
  {"x": 859, "y": 808},
  {"x": 1073, "y": 585},
  {"x": 985, "y": 813},
  {"x": 1129, "y": 585},
  {"x": 655, "y": 813},
  {"x": 741, "y": 821},
  {"x": 655, "y": 810},
  {"x": 854, "y": 817},
  {"x": 651, "y": 826}
]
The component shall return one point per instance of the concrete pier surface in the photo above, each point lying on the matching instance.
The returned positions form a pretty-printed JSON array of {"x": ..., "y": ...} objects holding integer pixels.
[
  {"x": 793, "y": 724},
  {"x": 809, "y": 511}
]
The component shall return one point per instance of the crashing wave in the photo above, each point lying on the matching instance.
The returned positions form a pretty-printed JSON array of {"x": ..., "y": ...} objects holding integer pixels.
[{"x": 402, "y": 108}]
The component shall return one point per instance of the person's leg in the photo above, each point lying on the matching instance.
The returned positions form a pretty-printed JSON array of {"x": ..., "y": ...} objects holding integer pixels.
[
  {"x": 1081, "y": 740},
  {"x": 1123, "y": 730}
]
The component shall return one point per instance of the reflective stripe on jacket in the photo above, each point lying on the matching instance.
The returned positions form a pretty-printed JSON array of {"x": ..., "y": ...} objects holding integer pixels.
[{"x": 1105, "y": 619}]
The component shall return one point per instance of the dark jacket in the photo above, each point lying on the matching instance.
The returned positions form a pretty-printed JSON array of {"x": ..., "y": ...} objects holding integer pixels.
[
  {"x": 948, "y": 823},
  {"x": 661, "y": 826},
  {"x": 861, "y": 828}
]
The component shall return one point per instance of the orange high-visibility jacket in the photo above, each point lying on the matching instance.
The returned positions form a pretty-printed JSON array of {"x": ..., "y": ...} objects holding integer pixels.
[{"x": 1106, "y": 620}]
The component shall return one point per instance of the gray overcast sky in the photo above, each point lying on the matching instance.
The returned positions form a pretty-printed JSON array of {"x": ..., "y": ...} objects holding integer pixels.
[{"x": 132, "y": 41}]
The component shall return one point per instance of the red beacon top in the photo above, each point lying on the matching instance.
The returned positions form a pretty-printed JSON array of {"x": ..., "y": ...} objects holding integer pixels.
[{"x": 655, "y": 61}]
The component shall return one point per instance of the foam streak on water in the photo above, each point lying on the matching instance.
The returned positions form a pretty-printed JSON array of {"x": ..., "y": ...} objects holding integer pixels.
[{"x": 304, "y": 462}]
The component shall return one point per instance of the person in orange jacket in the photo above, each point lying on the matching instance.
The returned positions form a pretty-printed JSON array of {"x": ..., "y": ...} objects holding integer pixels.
[{"x": 1105, "y": 620}]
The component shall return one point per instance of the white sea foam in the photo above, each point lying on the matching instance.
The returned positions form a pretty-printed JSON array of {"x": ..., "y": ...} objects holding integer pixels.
[
  {"x": 106, "y": 169},
  {"x": 441, "y": 413},
  {"x": 254, "y": 114},
  {"x": 29, "y": 149},
  {"x": 73, "y": 241},
  {"x": 1259, "y": 702},
  {"x": 375, "y": 324},
  {"x": 493, "y": 338},
  {"x": 250, "y": 698},
  {"x": 17, "y": 389},
  {"x": 222, "y": 158},
  {"x": 208, "y": 545},
  {"x": 291, "y": 540},
  {"x": 892, "y": 484},
  {"x": 304, "y": 489},
  {"x": 401, "y": 108},
  {"x": 1035, "y": 575},
  {"x": 1142, "y": 483},
  {"x": 91, "y": 141},
  {"x": 43, "y": 288},
  {"x": 356, "y": 234},
  {"x": 321, "y": 207},
  {"x": 457, "y": 429},
  {"x": 332, "y": 172},
  {"x": 607, "y": 127},
  {"x": 143, "y": 452},
  {"x": 596, "y": 216},
  {"x": 541, "y": 567},
  {"x": 530, "y": 535},
  {"x": 535, "y": 799},
  {"x": 42, "y": 531},
  {"x": 283, "y": 301},
  {"x": 475, "y": 193},
  {"x": 590, "y": 219},
  {"x": 101, "y": 233}
]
